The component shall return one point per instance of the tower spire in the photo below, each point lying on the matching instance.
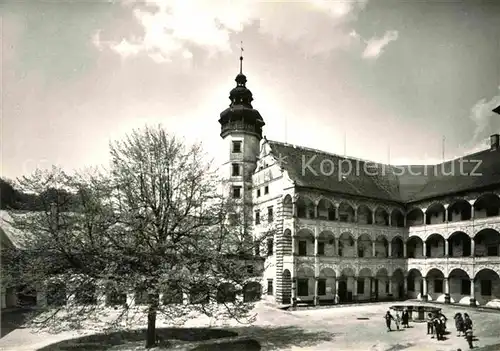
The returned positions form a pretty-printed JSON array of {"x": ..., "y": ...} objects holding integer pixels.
[{"x": 241, "y": 58}]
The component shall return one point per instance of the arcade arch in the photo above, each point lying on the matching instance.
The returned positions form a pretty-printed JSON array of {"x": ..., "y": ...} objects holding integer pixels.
[
  {"x": 326, "y": 210},
  {"x": 435, "y": 284},
  {"x": 435, "y": 214},
  {"x": 459, "y": 210},
  {"x": 487, "y": 205},
  {"x": 414, "y": 247},
  {"x": 414, "y": 283},
  {"x": 415, "y": 217},
  {"x": 397, "y": 218},
  {"x": 459, "y": 244},
  {"x": 346, "y": 213},
  {"x": 365, "y": 215},
  {"x": 486, "y": 243},
  {"x": 435, "y": 246},
  {"x": 381, "y": 217},
  {"x": 346, "y": 245}
]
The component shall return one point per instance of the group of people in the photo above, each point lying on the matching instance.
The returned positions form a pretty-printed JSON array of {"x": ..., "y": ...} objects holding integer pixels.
[
  {"x": 436, "y": 324},
  {"x": 464, "y": 326},
  {"x": 402, "y": 320}
]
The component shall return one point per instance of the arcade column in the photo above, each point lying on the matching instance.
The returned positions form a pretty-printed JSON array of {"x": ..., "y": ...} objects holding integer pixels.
[
  {"x": 389, "y": 295},
  {"x": 446, "y": 290},
  {"x": 316, "y": 291},
  {"x": 472, "y": 294},
  {"x": 424, "y": 288}
]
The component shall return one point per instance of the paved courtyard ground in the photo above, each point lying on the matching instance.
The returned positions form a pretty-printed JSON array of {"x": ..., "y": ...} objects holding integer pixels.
[{"x": 336, "y": 328}]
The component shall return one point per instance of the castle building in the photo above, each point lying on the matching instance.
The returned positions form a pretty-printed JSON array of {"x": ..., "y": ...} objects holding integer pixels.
[
  {"x": 350, "y": 230},
  {"x": 331, "y": 229}
]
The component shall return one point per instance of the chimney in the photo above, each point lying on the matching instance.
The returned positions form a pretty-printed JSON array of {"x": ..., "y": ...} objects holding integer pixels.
[{"x": 495, "y": 141}]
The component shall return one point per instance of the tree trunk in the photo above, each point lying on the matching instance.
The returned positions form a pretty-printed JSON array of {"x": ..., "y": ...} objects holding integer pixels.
[{"x": 151, "y": 332}]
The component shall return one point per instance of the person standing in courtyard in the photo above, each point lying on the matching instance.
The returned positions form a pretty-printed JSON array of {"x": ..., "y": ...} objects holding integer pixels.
[
  {"x": 398, "y": 320},
  {"x": 405, "y": 317},
  {"x": 388, "y": 319},
  {"x": 468, "y": 336},
  {"x": 438, "y": 328},
  {"x": 430, "y": 324},
  {"x": 467, "y": 321},
  {"x": 459, "y": 323},
  {"x": 443, "y": 319}
]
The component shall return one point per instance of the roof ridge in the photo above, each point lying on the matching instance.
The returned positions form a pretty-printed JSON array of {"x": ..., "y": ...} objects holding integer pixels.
[
  {"x": 326, "y": 152},
  {"x": 374, "y": 162}
]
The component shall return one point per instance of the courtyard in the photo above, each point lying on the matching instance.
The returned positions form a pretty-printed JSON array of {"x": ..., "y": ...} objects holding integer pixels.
[{"x": 359, "y": 327}]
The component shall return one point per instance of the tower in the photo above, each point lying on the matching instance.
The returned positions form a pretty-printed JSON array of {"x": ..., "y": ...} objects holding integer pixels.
[{"x": 241, "y": 130}]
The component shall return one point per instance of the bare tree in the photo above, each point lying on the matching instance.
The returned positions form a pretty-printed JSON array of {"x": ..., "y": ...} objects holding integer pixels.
[{"x": 156, "y": 222}]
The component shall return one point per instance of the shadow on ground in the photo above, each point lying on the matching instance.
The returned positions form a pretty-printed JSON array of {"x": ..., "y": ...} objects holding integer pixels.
[
  {"x": 199, "y": 339},
  {"x": 13, "y": 319},
  {"x": 488, "y": 348}
]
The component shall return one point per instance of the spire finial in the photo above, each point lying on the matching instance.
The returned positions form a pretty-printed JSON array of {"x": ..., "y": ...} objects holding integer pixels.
[{"x": 241, "y": 58}]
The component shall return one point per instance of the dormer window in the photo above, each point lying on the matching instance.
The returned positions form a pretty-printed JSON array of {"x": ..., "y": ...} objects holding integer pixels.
[{"x": 236, "y": 147}]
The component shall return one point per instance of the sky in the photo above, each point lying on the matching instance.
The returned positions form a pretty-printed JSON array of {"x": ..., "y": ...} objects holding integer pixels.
[{"x": 389, "y": 81}]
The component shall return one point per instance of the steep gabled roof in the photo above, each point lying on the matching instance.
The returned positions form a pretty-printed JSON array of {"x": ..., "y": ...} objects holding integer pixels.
[
  {"x": 311, "y": 168},
  {"x": 471, "y": 172}
]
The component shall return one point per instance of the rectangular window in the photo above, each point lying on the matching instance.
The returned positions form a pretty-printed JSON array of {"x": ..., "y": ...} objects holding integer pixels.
[
  {"x": 322, "y": 287},
  {"x": 269, "y": 286},
  {"x": 361, "y": 286},
  {"x": 465, "y": 287},
  {"x": 270, "y": 244},
  {"x": 235, "y": 170},
  {"x": 250, "y": 269},
  {"x": 303, "y": 287},
  {"x": 257, "y": 217},
  {"x": 302, "y": 248},
  {"x": 321, "y": 248},
  {"x": 270, "y": 215},
  {"x": 236, "y": 147},
  {"x": 266, "y": 190},
  {"x": 486, "y": 287},
  {"x": 258, "y": 192},
  {"x": 387, "y": 287},
  {"x": 438, "y": 286},
  {"x": 343, "y": 217},
  {"x": 236, "y": 192}
]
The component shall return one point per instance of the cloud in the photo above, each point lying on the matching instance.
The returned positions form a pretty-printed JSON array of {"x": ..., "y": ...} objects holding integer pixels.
[
  {"x": 375, "y": 46},
  {"x": 484, "y": 118},
  {"x": 171, "y": 27},
  {"x": 313, "y": 27}
]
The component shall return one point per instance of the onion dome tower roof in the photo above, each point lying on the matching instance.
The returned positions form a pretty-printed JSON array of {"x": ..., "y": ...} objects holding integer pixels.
[{"x": 240, "y": 116}]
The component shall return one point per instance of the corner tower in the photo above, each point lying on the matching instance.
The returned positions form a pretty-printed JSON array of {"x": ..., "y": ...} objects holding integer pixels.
[{"x": 241, "y": 130}]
